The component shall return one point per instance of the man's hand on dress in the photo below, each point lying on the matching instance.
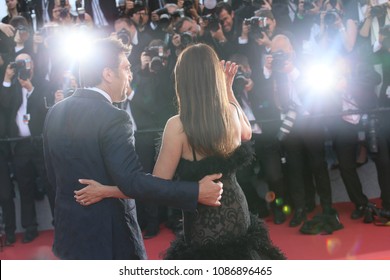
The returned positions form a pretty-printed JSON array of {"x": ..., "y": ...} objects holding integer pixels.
[{"x": 210, "y": 190}]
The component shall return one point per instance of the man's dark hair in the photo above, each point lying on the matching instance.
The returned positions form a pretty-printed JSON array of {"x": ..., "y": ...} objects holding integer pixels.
[
  {"x": 180, "y": 22},
  {"x": 127, "y": 20},
  {"x": 104, "y": 54},
  {"x": 19, "y": 21},
  {"x": 267, "y": 14},
  {"x": 223, "y": 6}
]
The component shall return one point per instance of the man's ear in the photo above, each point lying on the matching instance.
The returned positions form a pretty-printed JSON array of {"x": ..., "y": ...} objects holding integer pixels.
[{"x": 107, "y": 74}]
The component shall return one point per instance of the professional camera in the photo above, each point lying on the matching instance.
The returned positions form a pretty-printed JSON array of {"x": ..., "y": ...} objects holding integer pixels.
[
  {"x": 379, "y": 10},
  {"x": 186, "y": 38},
  {"x": 164, "y": 15},
  {"x": 158, "y": 58},
  {"x": 331, "y": 16},
  {"x": 287, "y": 124},
  {"x": 22, "y": 69},
  {"x": 370, "y": 123},
  {"x": 212, "y": 22},
  {"x": 385, "y": 32},
  {"x": 240, "y": 81},
  {"x": 179, "y": 13},
  {"x": 257, "y": 26},
  {"x": 124, "y": 36},
  {"x": 279, "y": 59}
]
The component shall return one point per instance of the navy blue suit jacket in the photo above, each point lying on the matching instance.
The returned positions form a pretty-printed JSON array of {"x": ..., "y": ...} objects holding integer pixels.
[{"x": 85, "y": 136}]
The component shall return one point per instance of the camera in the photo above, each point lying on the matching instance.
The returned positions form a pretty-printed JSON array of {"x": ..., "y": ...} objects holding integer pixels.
[
  {"x": 22, "y": 69},
  {"x": 240, "y": 81},
  {"x": 179, "y": 13},
  {"x": 379, "y": 10},
  {"x": 212, "y": 22},
  {"x": 186, "y": 38},
  {"x": 158, "y": 59},
  {"x": 331, "y": 16},
  {"x": 124, "y": 36},
  {"x": 370, "y": 123},
  {"x": 279, "y": 59},
  {"x": 164, "y": 15},
  {"x": 287, "y": 124},
  {"x": 257, "y": 26}
]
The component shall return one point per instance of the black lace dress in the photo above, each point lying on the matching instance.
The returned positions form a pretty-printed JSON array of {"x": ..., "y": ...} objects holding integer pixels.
[{"x": 228, "y": 231}]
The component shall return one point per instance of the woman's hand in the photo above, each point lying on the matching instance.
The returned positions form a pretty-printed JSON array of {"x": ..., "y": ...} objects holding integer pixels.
[
  {"x": 91, "y": 194},
  {"x": 230, "y": 69}
]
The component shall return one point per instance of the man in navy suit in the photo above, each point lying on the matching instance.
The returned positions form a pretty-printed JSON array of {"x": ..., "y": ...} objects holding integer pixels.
[{"x": 85, "y": 136}]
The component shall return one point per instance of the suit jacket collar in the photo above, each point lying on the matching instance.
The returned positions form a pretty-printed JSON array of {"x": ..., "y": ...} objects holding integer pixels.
[{"x": 88, "y": 93}]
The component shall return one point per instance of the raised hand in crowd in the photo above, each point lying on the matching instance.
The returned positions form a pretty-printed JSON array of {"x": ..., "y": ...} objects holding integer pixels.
[{"x": 7, "y": 29}]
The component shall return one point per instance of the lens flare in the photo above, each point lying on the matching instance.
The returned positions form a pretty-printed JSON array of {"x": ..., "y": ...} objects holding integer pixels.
[
  {"x": 332, "y": 245},
  {"x": 320, "y": 78},
  {"x": 286, "y": 209},
  {"x": 269, "y": 197},
  {"x": 279, "y": 201}
]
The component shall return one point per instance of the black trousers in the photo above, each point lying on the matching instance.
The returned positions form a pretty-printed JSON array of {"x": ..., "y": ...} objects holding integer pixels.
[
  {"x": 29, "y": 163},
  {"x": 145, "y": 147},
  {"x": 304, "y": 147},
  {"x": 6, "y": 191},
  {"x": 268, "y": 152},
  {"x": 345, "y": 143}
]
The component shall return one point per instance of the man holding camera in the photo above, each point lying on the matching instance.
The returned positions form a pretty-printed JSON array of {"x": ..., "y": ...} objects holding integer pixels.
[
  {"x": 24, "y": 97},
  {"x": 302, "y": 137}
]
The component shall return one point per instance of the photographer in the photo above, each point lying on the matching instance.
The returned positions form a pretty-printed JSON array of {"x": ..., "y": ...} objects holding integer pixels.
[
  {"x": 12, "y": 11},
  {"x": 24, "y": 96},
  {"x": 22, "y": 39},
  {"x": 222, "y": 30},
  {"x": 301, "y": 137},
  {"x": 163, "y": 19},
  {"x": 382, "y": 157},
  {"x": 7, "y": 188},
  {"x": 337, "y": 28},
  {"x": 152, "y": 105},
  {"x": 185, "y": 31}
]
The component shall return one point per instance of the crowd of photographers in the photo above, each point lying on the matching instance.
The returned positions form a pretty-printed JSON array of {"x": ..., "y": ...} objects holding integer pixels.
[{"x": 280, "y": 46}]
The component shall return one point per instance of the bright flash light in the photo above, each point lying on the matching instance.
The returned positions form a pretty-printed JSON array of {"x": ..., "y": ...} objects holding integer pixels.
[
  {"x": 77, "y": 45},
  {"x": 320, "y": 77}
]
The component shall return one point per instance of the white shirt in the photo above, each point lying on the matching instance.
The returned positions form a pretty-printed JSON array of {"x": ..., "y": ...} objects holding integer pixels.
[
  {"x": 128, "y": 110},
  {"x": 24, "y": 130}
]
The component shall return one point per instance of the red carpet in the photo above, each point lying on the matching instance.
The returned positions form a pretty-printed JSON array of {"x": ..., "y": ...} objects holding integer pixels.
[{"x": 356, "y": 241}]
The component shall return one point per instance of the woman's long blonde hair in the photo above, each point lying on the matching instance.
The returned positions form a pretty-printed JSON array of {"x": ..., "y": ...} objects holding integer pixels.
[{"x": 203, "y": 102}]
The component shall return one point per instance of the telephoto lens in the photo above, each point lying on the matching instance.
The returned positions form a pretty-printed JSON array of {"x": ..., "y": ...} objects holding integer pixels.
[{"x": 287, "y": 124}]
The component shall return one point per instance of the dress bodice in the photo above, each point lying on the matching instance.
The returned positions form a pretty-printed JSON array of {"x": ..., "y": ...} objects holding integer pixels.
[{"x": 208, "y": 224}]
